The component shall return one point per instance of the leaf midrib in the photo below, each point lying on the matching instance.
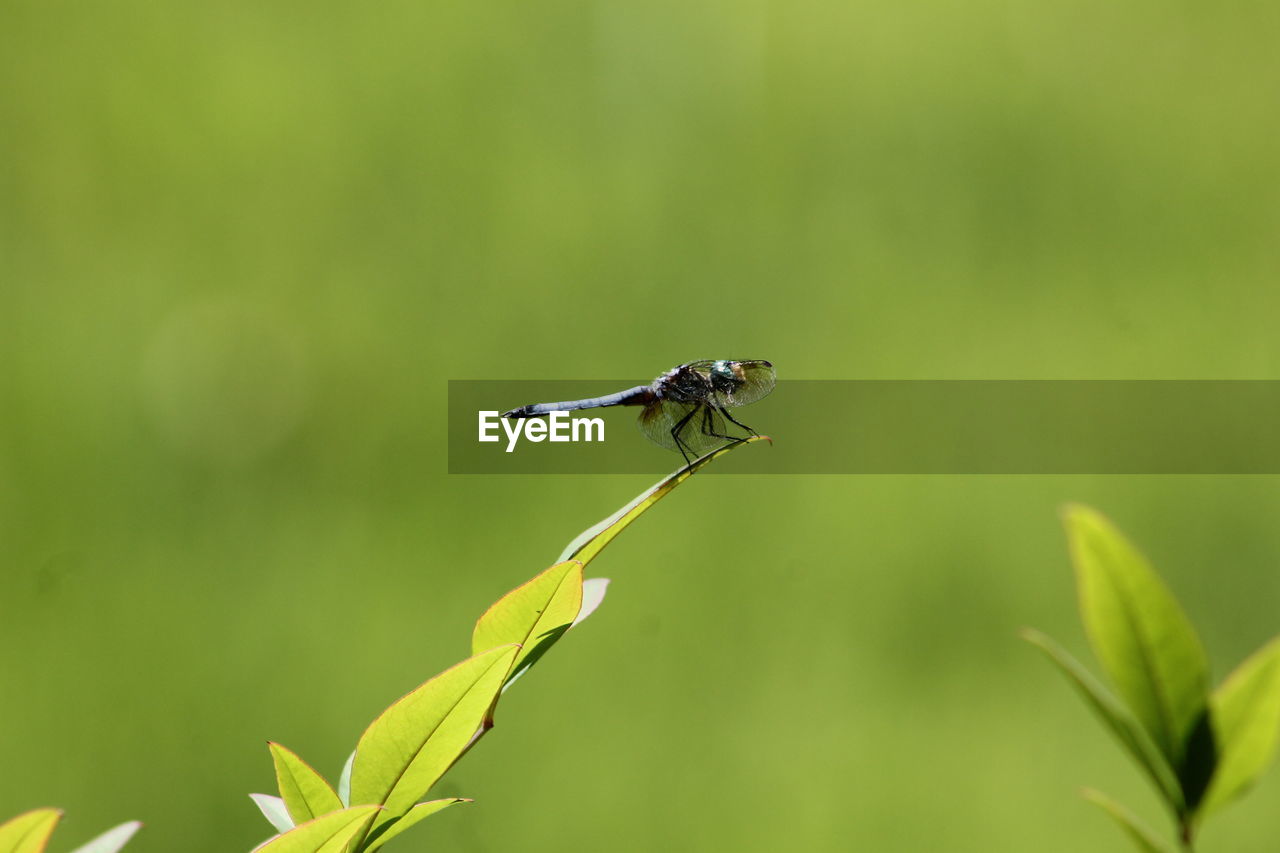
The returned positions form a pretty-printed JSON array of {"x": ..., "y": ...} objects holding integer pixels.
[
  {"x": 1147, "y": 658},
  {"x": 399, "y": 777}
]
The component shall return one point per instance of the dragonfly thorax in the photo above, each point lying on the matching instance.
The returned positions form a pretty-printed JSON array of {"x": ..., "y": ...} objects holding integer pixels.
[{"x": 683, "y": 385}]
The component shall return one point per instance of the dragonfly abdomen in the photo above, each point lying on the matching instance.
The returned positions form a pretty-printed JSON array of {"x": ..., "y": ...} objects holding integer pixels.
[{"x": 637, "y": 396}]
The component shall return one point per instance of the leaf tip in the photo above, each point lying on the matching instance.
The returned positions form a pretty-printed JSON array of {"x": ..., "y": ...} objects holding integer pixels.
[{"x": 1073, "y": 513}]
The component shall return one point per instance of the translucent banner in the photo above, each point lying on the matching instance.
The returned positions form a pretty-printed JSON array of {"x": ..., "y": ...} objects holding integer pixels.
[{"x": 892, "y": 427}]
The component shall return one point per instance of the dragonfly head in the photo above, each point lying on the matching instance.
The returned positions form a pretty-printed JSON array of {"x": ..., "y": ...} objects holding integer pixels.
[{"x": 727, "y": 374}]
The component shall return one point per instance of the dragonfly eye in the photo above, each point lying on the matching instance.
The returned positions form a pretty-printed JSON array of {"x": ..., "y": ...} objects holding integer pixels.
[{"x": 723, "y": 370}]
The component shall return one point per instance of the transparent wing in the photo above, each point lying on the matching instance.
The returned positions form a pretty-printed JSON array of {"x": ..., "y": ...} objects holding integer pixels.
[
  {"x": 696, "y": 427},
  {"x": 754, "y": 381},
  {"x": 659, "y": 419}
]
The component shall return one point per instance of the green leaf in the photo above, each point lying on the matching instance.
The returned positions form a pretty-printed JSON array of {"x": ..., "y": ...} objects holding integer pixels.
[
  {"x": 112, "y": 840},
  {"x": 1142, "y": 638},
  {"x": 534, "y": 615},
  {"x": 420, "y": 812},
  {"x": 305, "y": 792},
  {"x": 28, "y": 832},
  {"x": 1139, "y": 833},
  {"x": 273, "y": 809},
  {"x": 1117, "y": 718},
  {"x": 594, "y": 539},
  {"x": 412, "y": 743},
  {"x": 337, "y": 832},
  {"x": 1245, "y": 711}
]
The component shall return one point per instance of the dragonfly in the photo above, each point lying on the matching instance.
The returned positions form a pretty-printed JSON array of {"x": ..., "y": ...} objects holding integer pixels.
[{"x": 685, "y": 409}]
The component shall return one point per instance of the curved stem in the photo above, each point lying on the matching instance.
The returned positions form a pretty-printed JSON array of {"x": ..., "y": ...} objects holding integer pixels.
[{"x": 1186, "y": 836}]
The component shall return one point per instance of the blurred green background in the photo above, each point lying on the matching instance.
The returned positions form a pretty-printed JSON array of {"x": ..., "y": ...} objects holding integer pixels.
[{"x": 244, "y": 245}]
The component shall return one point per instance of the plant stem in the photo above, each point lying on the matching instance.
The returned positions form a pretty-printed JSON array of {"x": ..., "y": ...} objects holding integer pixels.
[{"x": 1186, "y": 835}]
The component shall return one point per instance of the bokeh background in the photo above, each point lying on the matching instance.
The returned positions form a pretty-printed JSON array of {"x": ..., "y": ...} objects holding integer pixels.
[{"x": 244, "y": 245}]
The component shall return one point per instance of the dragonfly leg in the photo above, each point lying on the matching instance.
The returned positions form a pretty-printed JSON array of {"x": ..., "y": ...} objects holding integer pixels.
[
  {"x": 675, "y": 435},
  {"x": 708, "y": 430},
  {"x": 725, "y": 412},
  {"x": 708, "y": 426}
]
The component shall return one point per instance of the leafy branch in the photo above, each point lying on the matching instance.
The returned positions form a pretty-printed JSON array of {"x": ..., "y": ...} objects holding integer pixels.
[
  {"x": 1200, "y": 748},
  {"x": 29, "y": 832},
  {"x": 414, "y": 742}
]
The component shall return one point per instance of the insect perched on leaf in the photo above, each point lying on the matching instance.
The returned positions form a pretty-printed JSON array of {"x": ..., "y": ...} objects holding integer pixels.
[{"x": 685, "y": 408}]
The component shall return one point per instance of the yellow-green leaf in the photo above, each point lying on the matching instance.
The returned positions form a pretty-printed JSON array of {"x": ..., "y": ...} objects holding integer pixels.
[
  {"x": 1245, "y": 712},
  {"x": 1117, "y": 718},
  {"x": 1139, "y": 833},
  {"x": 1140, "y": 635},
  {"x": 337, "y": 832},
  {"x": 533, "y": 615},
  {"x": 412, "y": 743},
  {"x": 28, "y": 832},
  {"x": 593, "y": 540},
  {"x": 420, "y": 812},
  {"x": 305, "y": 792}
]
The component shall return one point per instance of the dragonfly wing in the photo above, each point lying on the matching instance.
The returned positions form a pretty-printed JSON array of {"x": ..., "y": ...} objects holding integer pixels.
[
  {"x": 659, "y": 419},
  {"x": 700, "y": 428},
  {"x": 755, "y": 379}
]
